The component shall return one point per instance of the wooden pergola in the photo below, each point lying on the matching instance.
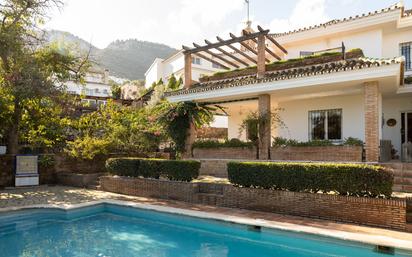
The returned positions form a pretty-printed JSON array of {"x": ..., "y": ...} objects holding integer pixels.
[{"x": 239, "y": 58}]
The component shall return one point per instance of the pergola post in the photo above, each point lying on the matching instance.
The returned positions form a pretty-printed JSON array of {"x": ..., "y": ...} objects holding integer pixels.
[
  {"x": 264, "y": 127},
  {"x": 188, "y": 70},
  {"x": 371, "y": 105},
  {"x": 261, "y": 58}
]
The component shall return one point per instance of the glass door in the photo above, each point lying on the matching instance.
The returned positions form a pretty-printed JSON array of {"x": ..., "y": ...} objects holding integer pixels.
[{"x": 406, "y": 136}]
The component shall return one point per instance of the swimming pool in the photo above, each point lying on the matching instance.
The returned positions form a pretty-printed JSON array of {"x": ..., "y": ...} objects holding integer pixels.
[{"x": 113, "y": 230}]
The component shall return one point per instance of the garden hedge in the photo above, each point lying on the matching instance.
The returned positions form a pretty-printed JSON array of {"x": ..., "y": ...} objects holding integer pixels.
[
  {"x": 344, "y": 179},
  {"x": 179, "y": 170}
]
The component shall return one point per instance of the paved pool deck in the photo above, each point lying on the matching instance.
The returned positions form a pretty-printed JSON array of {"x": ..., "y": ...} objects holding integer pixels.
[{"x": 69, "y": 197}]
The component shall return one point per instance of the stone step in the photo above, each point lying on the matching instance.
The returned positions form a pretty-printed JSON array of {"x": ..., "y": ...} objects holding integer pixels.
[
  {"x": 409, "y": 227},
  {"x": 209, "y": 199},
  {"x": 409, "y": 217},
  {"x": 397, "y": 188},
  {"x": 94, "y": 187},
  {"x": 403, "y": 174},
  {"x": 402, "y": 181},
  {"x": 209, "y": 188}
]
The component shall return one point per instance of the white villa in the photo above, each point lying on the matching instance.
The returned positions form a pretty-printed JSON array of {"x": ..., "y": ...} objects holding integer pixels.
[
  {"x": 96, "y": 89},
  {"x": 162, "y": 69},
  {"x": 364, "y": 93}
]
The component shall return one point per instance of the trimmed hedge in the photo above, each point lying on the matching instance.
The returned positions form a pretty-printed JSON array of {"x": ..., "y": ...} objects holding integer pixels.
[
  {"x": 179, "y": 170},
  {"x": 344, "y": 179}
]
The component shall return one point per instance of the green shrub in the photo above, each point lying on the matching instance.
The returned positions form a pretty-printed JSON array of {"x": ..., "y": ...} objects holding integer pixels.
[
  {"x": 344, "y": 179},
  {"x": 353, "y": 141},
  {"x": 123, "y": 166},
  {"x": 279, "y": 141},
  {"x": 216, "y": 144},
  {"x": 282, "y": 142},
  {"x": 179, "y": 170}
]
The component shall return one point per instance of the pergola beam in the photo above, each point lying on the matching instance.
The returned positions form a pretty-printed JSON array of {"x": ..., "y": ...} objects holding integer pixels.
[
  {"x": 271, "y": 39},
  {"x": 228, "y": 54},
  {"x": 248, "y": 47},
  {"x": 238, "y": 51},
  {"x": 227, "y": 42},
  {"x": 266, "y": 48},
  {"x": 218, "y": 57},
  {"x": 207, "y": 59}
]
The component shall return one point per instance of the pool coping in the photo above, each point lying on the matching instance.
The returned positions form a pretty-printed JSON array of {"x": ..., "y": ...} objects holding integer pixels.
[{"x": 356, "y": 237}]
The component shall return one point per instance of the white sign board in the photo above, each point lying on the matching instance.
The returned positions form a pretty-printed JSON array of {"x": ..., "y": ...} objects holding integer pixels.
[{"x": 27, "y": 170}]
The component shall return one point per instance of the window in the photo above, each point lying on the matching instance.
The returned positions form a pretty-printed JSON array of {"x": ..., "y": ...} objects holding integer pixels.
[
  {"x": 406, "y": 52},
  {"x": 196, "y": 60},
  {"x": 325, "y": 125},
  {"x": 101, "y": 103}
]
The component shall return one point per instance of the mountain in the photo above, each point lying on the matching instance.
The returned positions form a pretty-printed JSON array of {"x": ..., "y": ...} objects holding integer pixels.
[{"x": 123, "y": 58}]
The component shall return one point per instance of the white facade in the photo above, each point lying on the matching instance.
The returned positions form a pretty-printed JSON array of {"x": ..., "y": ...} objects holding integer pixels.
[
  {"x": 378, "y": 35},
  {"x": 96, "y": 85},
  {"x": 164, "y": 68}
]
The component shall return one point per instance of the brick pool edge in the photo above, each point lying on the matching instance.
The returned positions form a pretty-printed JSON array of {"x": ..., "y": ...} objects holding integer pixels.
[{"x": 386, "y": 213}]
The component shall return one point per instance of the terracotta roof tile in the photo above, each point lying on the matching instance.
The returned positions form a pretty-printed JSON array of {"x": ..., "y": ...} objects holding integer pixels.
[{"x": 299, "y": 72}]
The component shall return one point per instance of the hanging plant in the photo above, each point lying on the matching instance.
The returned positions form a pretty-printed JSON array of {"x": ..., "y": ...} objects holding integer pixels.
[{"x": 255, "y": 126}]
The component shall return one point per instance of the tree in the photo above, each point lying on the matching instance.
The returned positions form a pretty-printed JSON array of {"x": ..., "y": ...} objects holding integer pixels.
[
  {"x": 30, "y": 70},
  {"x": 177, "y": 117},
  {"x": 173, "y": 83},
  {"x": 116, "y": 89},
  {"x": 114, "y": 129}
]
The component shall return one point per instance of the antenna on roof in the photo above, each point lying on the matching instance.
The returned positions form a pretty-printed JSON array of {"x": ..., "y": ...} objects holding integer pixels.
[{"x": 248, "y": 22}]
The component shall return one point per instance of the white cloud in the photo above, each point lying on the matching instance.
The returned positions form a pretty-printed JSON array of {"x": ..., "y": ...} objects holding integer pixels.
[
  {"x": 305, "y": 13},
  {"x": 171, "y": 22}
]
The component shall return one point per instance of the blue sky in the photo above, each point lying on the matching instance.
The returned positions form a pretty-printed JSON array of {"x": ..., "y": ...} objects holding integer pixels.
[{"x": 177, "y": 22}]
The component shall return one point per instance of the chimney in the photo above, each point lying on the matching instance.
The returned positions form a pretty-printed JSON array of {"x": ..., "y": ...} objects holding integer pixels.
[{"x": 250, "y": 43}]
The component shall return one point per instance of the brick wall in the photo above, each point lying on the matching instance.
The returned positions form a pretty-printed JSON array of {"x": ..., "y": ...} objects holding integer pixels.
[
  {"x": 173, "y": 190},
  {"x": 304, "y": 153},
  {"x": 388, "y": 213},
  {"x": 317, "y": 153},
  {"x": 225, "y": 153}
]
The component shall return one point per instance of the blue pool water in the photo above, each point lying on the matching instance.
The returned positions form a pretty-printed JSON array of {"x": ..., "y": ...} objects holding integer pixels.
[{"x": 116, "y": 231}]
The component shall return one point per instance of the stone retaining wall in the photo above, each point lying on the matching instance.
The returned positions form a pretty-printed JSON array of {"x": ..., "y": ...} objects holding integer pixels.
[
  {"x": 173, "y": 190},
  {"x": 317, "y": 153},
  {"x": 289, "y": 153},
  {"x": 388, "y": 213}
]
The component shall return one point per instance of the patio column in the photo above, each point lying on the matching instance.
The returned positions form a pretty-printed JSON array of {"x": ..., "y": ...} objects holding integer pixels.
[
  {"x": 188, "y": 71},
  {"x": 264, "y": 128},
  {"x": 371, "y": 103}
]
